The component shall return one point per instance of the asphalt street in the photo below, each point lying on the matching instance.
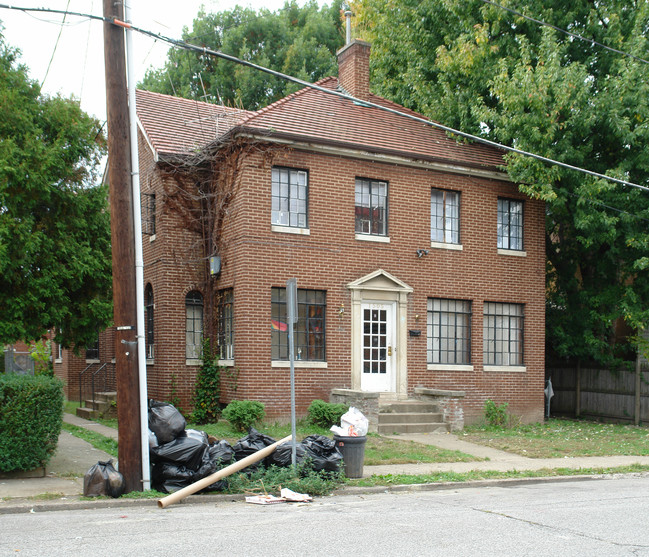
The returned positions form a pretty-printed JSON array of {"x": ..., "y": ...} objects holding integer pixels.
[{"x": 602, "y": 517}]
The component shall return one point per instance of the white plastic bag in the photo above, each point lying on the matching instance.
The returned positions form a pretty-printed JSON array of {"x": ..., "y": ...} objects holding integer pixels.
[{"x": 354, "y": 423}]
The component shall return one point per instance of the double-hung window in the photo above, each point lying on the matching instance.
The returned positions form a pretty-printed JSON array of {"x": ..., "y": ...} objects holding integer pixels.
[
  {"x": 503, "y": 334},
  {"x": 194, "y": 325},
  {"x": 309, "y": 331},
  {"x": 510, "y": 224},
  {"x": 445, "y": 216},
  {"x": 92, "y": 350},
  {"x": 289, "y": 192},
  {"x": 449, "y": 331},
  {"x": 225, "y": 317},
  {"x": 371, "y": 207}
]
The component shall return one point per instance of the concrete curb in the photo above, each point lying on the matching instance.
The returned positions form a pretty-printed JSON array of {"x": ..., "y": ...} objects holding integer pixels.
[{"x": 19, "y": 506}]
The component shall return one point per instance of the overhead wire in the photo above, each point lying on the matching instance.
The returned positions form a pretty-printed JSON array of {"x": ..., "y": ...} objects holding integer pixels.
[
  {"x": 85, "y": 58},
  {"x": 188, "y": 46},
  {"x": 56, "y": 44},
  {"x": 564, "y": 31}
]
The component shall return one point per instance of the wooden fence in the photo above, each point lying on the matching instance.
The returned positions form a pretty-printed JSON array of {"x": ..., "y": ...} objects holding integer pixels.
[{"x": 600, "y": 393}]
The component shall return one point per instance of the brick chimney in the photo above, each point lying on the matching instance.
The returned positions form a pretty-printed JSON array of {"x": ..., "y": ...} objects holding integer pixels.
[{"x": 354, "y": 69}]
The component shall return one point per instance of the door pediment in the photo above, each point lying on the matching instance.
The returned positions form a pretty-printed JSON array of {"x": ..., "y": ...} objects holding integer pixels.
[{"x": 380, "y": 280}]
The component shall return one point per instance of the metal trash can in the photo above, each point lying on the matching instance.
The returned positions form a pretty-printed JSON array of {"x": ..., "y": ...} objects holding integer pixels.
[{"x": 353, "y": 451}]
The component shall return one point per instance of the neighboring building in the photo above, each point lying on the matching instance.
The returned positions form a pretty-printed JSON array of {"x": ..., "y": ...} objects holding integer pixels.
[{"x": 418, "y": 263}]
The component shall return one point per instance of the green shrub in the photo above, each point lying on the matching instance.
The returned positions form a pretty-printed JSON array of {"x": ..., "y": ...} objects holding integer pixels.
[
  {"x": 207, "y": 393},
  {"x": 31, "y": 414},
  {"x": 243, "y": 414},
  {"x": 496, "y": 414},
  {"x": 325, "y": 414},
  {"x": 302, "y": 479}
]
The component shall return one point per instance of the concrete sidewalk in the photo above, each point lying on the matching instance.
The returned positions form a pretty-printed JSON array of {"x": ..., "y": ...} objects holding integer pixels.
[
  {"x": 64, "y": 472},
  {"x": 500, "y": 461},
  {"x": 63, "y": 477}
]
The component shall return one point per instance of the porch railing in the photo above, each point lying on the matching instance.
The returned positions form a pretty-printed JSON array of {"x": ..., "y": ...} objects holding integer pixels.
[{"x": 96, "y": 378}]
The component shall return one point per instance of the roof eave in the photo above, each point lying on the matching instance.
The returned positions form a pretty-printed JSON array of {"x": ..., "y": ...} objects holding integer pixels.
[{"x": 356, "y": 150}]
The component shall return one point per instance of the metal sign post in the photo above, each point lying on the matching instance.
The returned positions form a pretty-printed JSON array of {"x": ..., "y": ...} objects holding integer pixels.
[{"x": 291, "y": 310}]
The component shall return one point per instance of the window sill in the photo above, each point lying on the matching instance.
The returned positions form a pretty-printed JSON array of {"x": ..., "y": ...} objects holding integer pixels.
[
  {"x": 515, "y": 369},
  {"x": 194, "y": 362},
  {"x": 226, "y": 363},
  {"x": 93, "y": 361},
  {"x": 298, "y": 363},
  {"x": 444, "y": 245},
  {"x": 373, "y": 238},
  {"x": 150, "y": 362},
  {"x": 290, "y": 230},
  {"x": 152, "y": 238},
  {"x": 512, "y": 252},
  {"x": 449, "y": 367},
  {"x": 58, "y": 361}
]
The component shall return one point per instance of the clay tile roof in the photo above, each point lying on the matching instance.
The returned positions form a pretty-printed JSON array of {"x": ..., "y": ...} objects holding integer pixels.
[
  {"x": 317, "y": 117},
  {"x": 176, "y": 126}
]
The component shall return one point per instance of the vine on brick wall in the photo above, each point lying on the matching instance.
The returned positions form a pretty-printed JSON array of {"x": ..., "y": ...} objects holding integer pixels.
[{"x": 201, "y": 193}]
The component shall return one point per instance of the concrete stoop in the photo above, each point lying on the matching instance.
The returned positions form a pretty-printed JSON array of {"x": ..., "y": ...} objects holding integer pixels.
[
  {"x": 103, "y": 406},
  {"x": 410, "y": 416}
]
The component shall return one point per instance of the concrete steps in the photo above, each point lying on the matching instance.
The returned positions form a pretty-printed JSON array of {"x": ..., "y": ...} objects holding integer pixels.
[
  {"x": 103, "y": 406},
  {"x": 410, "y": 416}
]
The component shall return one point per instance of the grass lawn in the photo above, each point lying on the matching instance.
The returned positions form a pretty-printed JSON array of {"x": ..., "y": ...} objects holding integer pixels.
[
  {"x": 560, "y": 438},
  {"x": 378, "y": 450},
  {"x": 554, "y": 438}
]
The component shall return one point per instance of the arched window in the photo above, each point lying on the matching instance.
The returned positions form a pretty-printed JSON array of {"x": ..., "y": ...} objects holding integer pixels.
[
  {"x": 148, "y": 321},
  {"x": 193, "y": 325}
]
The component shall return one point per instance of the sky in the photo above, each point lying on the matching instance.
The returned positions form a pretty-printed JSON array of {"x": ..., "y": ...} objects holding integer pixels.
[{"x": 75, "y": 47}]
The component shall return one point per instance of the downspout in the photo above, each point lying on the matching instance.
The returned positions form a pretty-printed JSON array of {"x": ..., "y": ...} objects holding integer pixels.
[{"x": 139, "y": 258}]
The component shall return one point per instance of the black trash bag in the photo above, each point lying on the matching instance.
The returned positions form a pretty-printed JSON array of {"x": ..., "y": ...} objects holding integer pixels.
[
  {"x": 187, "y": 450},
  {"x": 216, "y": 457},
  {"x": 169, "y": 477},
  {"x": 220, "y": 452},
  {"x": 250, "y": 444},
  {"x": 103, "y": 479},
  {"x": 283, "y": 455},
  {"x": 322, "y": 452},
  {"x": 165, "y": 421}
]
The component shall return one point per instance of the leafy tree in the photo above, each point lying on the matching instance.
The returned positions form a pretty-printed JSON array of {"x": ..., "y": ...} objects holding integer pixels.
[
  {"x": 298, "y": 41},
  {"x": 55, "y": 262},
  {"x": 487, "y": 71}
]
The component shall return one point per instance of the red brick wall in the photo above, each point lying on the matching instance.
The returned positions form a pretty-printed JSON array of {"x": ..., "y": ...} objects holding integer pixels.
[
  {"x": 171, "y": 266},
  {"x": 255, "y": 258},
  {"x": 354, "y": 69}
]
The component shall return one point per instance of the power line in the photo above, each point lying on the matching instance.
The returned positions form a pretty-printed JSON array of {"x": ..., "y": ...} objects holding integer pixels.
[
  {"x": 574, "y": 35},
  {"x": 219, "y": 54},
  {"x": 56, "y": 44},
  {"x": 447, "y": 129}
]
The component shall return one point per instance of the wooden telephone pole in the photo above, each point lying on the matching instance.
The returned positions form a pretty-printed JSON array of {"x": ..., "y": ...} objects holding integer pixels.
[{"x": 122, "y": 234}]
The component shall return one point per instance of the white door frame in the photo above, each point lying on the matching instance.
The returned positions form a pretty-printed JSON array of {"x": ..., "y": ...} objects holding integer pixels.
[
  {"x": 382, "y": 352},
  {"x": 381, "y": 286}
]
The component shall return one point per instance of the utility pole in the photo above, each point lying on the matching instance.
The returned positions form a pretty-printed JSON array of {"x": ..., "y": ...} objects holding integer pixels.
[{"x": 122, "y": 234}]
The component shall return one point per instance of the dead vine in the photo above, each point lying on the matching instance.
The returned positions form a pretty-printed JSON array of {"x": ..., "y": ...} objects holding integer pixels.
[{"x": 201, "y": 192}]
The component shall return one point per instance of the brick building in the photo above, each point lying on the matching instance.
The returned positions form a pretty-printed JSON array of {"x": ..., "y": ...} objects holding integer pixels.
[{"x": 419, "y": 266}]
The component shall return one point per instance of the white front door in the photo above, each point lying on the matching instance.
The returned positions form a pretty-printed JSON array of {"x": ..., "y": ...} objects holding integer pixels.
[{"x": 378, "y": 350}]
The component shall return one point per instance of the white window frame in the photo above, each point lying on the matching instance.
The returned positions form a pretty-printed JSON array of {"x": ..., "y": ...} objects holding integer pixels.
[
  {"x": 289, "y": 199},
  {"x": 444, "y": 217}
]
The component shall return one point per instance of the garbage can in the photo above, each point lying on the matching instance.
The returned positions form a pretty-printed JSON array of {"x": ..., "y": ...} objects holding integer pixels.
[{"x": 353, "y": 451}]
